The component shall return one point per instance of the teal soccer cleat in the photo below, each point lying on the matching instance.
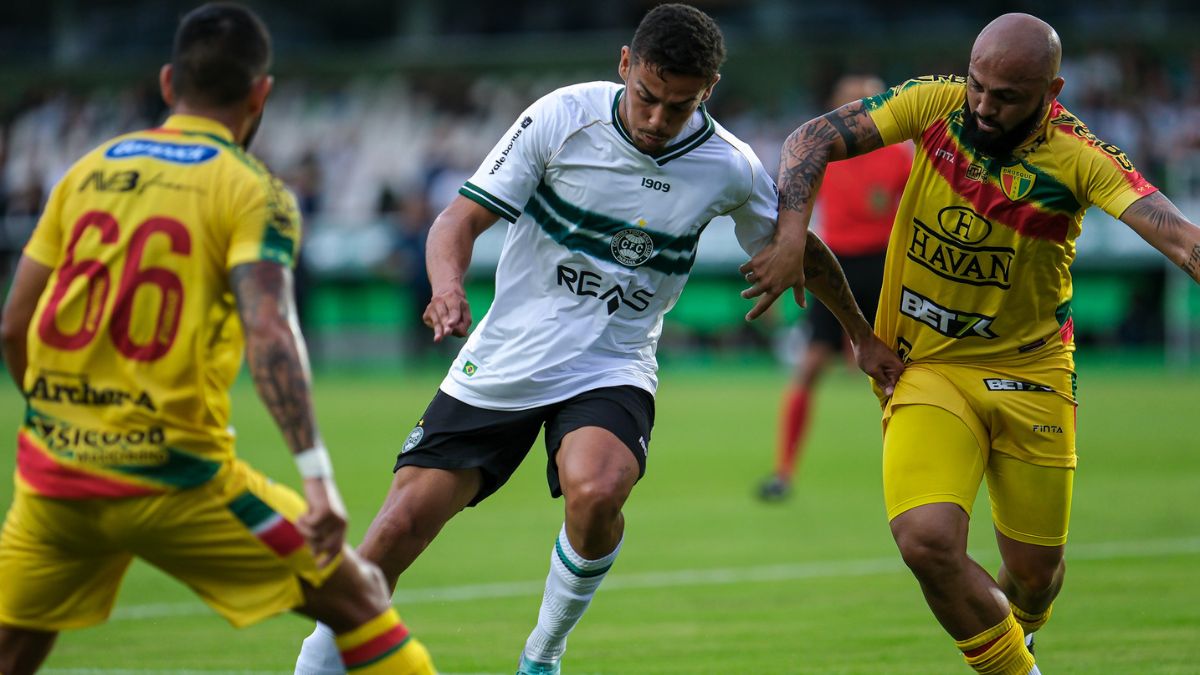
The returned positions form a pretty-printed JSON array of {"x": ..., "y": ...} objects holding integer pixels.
[{"x": 527, "y": 667}]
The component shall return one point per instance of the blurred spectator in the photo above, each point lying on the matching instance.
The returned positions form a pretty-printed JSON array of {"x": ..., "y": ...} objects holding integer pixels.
[
  {"x": 305, "y": 182},
  {"x": 408, "y": 218}
]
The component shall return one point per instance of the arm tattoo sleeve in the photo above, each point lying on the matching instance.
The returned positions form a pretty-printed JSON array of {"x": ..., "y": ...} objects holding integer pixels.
[
  {"x": 824, "y": 277},
  {"x": 805, "y": 156},
  {"x": 1154, "y": 215},
  {"x": 1156, "y": 210},
  {"x": 849, "y": 122},
  {"x": 848, "y": 139},
  {"x": 807, "y": 151},
  {"x": 274, "y": 351}
]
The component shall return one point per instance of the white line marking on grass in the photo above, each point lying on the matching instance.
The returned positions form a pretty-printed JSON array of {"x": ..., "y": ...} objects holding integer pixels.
[{"x": 678, "y": 578}]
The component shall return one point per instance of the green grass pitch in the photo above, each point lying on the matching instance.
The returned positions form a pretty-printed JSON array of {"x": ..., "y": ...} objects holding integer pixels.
[{"x": 710, "y": 580}]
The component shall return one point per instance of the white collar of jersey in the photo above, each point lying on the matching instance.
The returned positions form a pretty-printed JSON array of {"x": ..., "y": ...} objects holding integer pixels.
[{"x": 675, "y": 149}]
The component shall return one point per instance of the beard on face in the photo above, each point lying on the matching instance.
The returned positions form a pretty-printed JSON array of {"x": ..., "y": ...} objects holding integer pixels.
[{"x": 999, "y": 146}]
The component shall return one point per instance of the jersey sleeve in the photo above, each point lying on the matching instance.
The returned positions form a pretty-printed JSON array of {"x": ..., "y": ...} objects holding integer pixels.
[
  {"x": 265, "y": 223},
  {"x": 904, "y": 111},
  {"x": 1110, "y": 181},
  {"x": 754, "y": 218},
  {"x": 512, "y": 170},
  {"x": 46, "y": 244}
]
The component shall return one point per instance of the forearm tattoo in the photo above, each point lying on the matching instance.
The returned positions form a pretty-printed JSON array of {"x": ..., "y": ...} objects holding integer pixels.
[
  {"x": 807, "y": 150},
  {"x": 273, "y": 353},
  {"x": 823, "y": 275},
  {"x": 1156, "y": 210},
  {"x": 805, "y": 156},
  {"x": 1165, "y": 218}
]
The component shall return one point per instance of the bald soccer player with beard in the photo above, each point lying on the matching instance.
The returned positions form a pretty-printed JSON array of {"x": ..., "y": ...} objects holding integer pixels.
[{"x": 977, "y": 301}]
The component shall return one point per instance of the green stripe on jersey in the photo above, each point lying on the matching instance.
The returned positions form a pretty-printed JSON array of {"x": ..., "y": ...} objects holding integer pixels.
[
  {"x": 489, "y": 201},
  {"x": 251, "y": 510},
  {"x": 181, "y": 470},
  {"x": 589, "y": 232}
]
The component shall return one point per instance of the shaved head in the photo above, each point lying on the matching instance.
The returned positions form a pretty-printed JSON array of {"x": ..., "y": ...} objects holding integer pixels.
[
  {"x": 1011, "y": 81},
  {"x": 1020, "y": 47}
]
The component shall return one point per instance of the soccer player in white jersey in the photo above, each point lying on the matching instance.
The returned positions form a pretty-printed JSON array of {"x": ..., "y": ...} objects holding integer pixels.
[{"x": 607, "y": 189}]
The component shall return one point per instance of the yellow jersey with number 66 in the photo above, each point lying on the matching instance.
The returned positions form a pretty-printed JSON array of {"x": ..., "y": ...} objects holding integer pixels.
[
  {"x": 136, "y": 339},
  {"x": 978, "y": 262}
]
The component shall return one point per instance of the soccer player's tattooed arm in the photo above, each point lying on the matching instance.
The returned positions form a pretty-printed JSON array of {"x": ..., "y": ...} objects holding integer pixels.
[
  {"x": 279, "y": 365},
  {"x": 845, "y": 132},
  {"x": 828, "y": 283},
  {"x": 274, "y": 349},
  {"x": 1160, "y": 223}
]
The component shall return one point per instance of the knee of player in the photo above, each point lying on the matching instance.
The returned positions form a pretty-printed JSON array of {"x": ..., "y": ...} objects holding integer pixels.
[
  {"x": 1036, "y": 576},
  {"x": 928, "y": 551},
  {"x": 596, "y": 497}
]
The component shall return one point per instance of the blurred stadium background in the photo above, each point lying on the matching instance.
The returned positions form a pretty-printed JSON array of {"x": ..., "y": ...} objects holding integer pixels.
[{"x": 382, "y": 109}]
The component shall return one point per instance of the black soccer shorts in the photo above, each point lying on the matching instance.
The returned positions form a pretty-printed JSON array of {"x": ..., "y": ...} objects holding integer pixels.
[{"x": 454, "y": 435}]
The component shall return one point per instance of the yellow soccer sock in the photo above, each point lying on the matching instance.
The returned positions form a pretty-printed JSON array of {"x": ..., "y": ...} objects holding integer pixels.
[
  {"x": 999, "y": 650},
  {"x": 383, "y": 646},
  {"x": 1031, "y": 622}
]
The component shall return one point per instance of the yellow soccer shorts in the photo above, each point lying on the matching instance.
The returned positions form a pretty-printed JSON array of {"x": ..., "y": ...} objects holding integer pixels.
[
  {"x": 232, "y": 540},
  {"x": 947, "y": 427}
]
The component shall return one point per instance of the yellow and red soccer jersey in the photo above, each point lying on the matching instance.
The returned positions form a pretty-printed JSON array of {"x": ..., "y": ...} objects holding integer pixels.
[
  {"x": 136, "y": 339},
  {"x": 978, "y": 261}
]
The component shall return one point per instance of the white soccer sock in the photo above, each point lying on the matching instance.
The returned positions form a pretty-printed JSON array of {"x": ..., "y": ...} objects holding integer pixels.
[
  {"x": 319, "y": 654},
  {"x": 570, "y": 586},
  {"x": 1028, "y": 642}
]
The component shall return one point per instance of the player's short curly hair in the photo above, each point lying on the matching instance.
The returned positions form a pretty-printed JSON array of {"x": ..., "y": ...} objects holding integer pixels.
[
  {"x": 220, "y": 48},
  {"x": 679, "y": 39}
]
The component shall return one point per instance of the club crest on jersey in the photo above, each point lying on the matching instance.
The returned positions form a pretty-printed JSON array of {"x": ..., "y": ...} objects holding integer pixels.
[
  {"x": 1016, "y": 181},
  {"x": 632, "y": 247},
  {"x": 414, "y": 437}
]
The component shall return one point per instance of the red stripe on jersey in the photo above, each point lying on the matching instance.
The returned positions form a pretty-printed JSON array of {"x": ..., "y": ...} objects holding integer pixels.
[
  {"x": 1068, "y": 125},
  {"x": 375, "y": 647},
  {"x": 282, "y": 537},
  {"x": 1067, "y": 331},
  {"x": 988, "y": 199},
  {"x": 51, "y": 479}
]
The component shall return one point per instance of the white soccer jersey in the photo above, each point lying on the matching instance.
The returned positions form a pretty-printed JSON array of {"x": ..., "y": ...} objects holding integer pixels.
[{"x": 601, "y": 241}]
